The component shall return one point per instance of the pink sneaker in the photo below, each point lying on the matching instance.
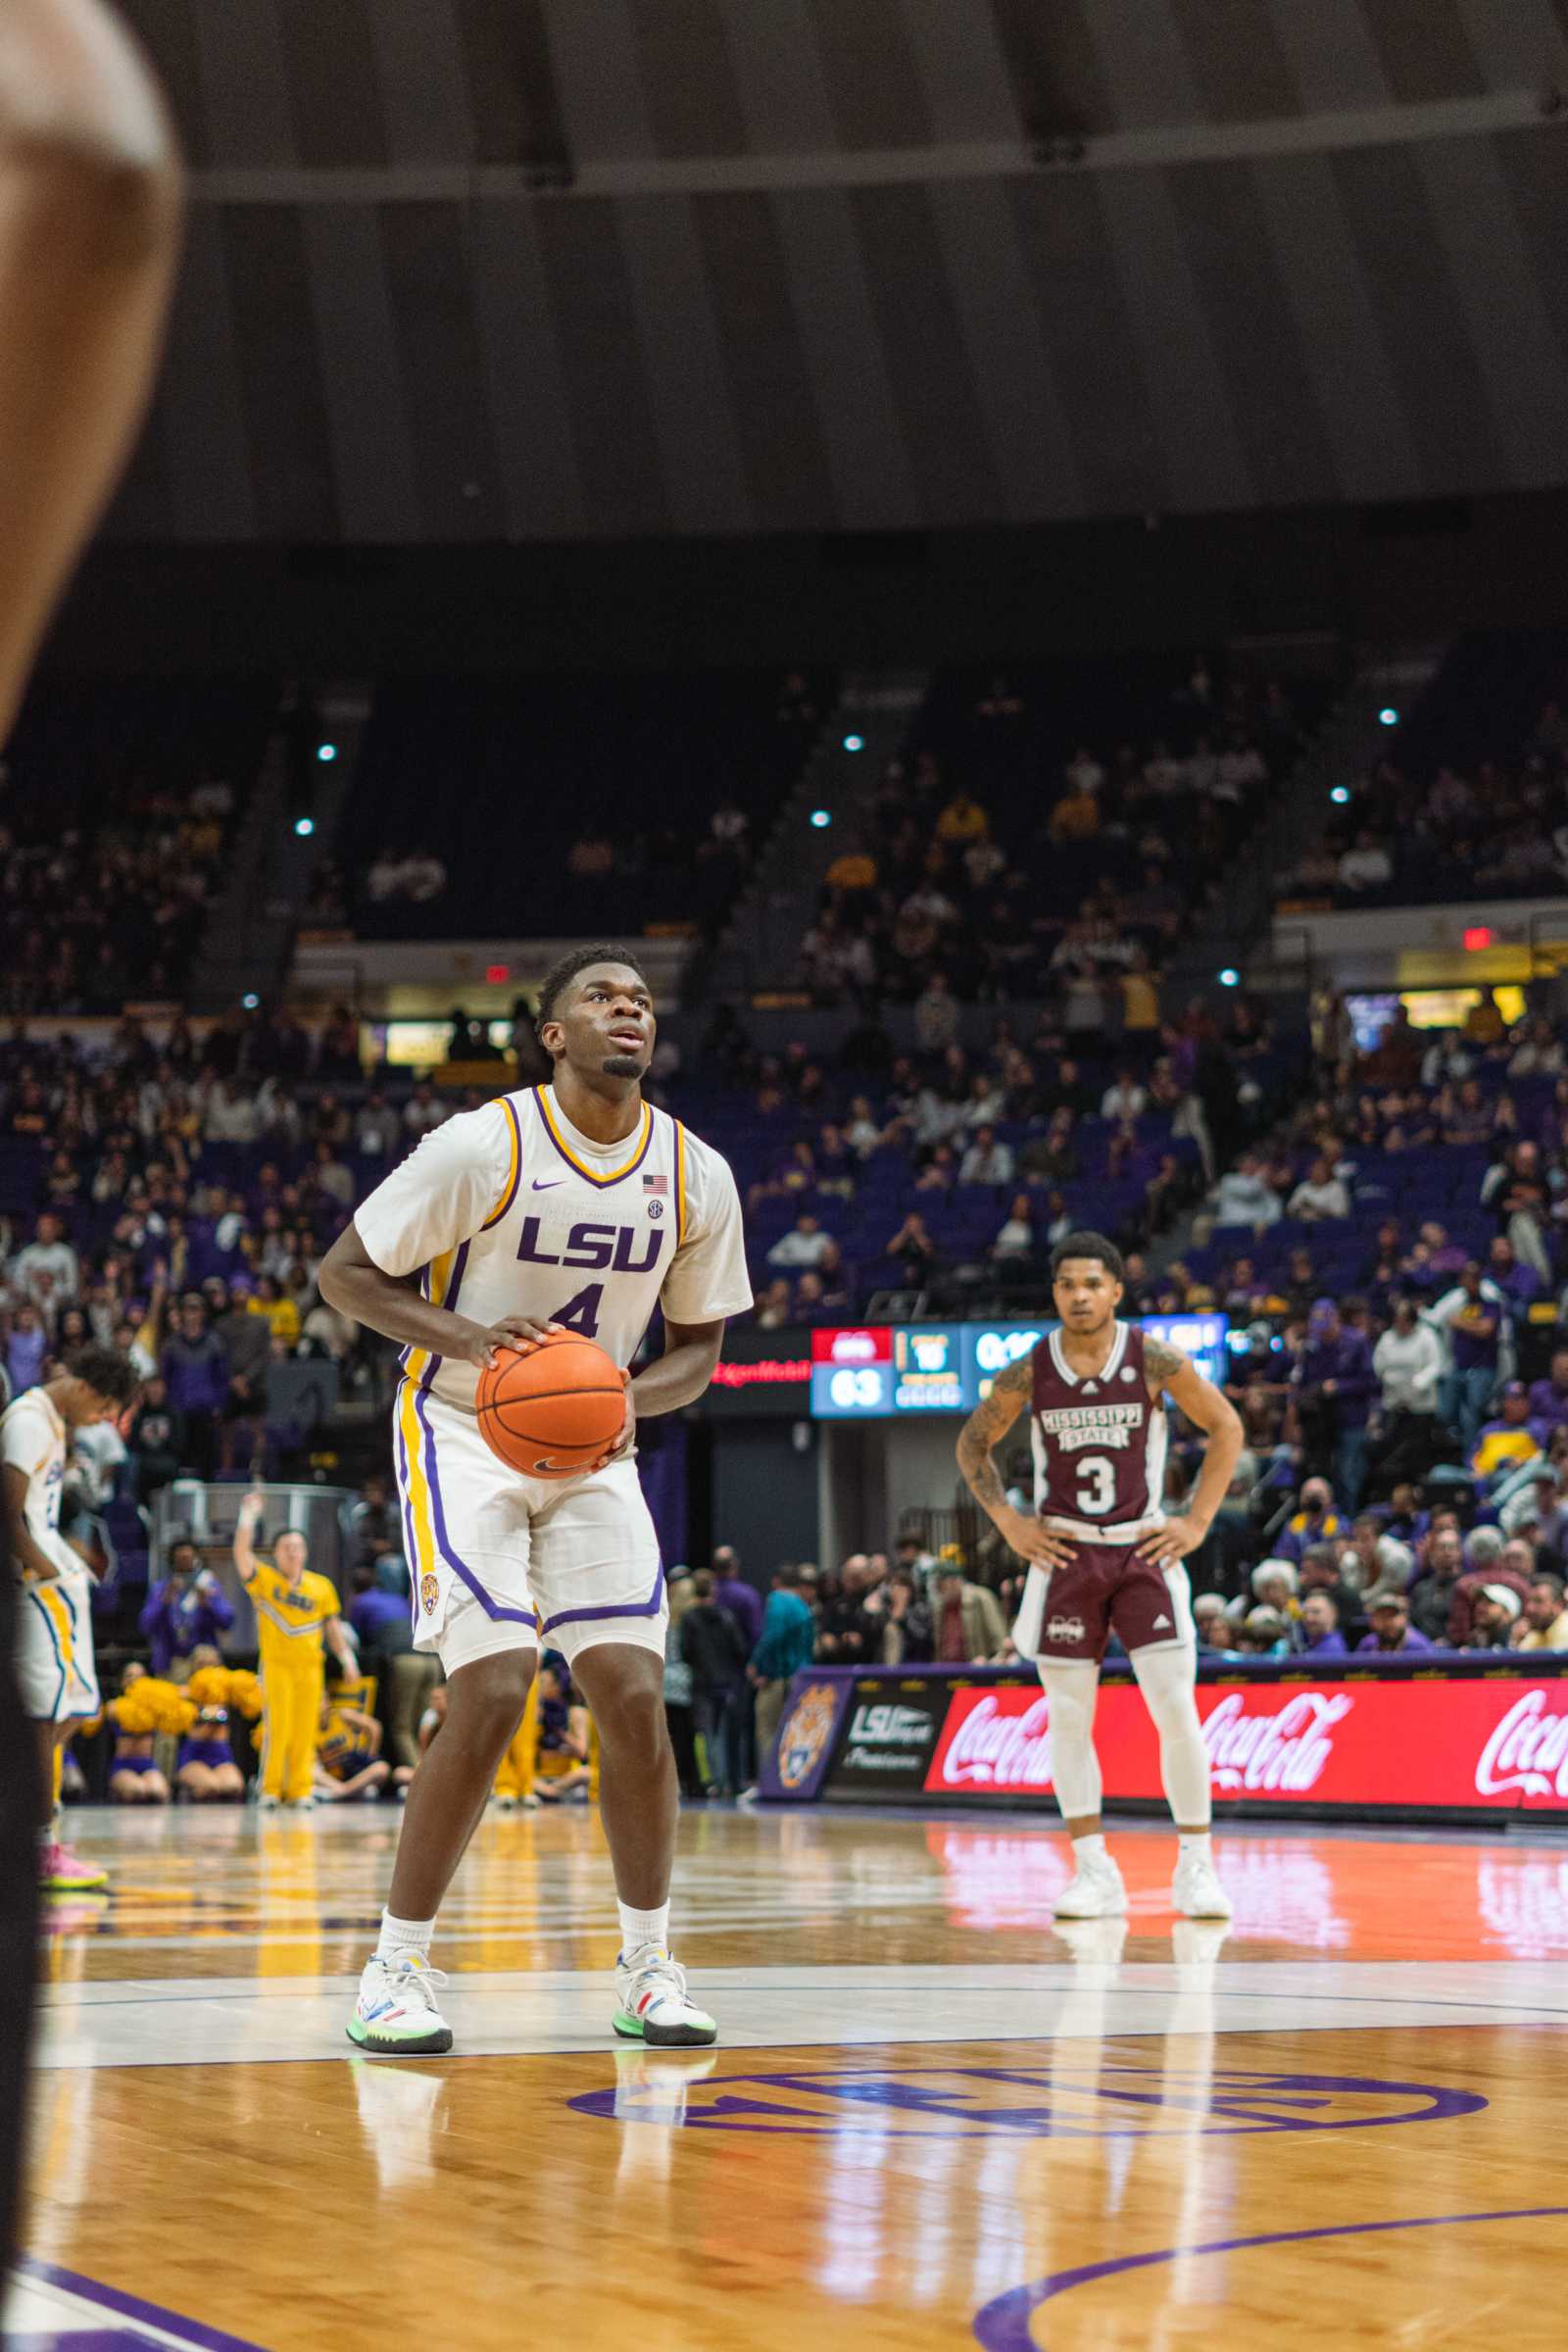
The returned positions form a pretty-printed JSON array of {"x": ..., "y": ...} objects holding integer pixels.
[{"x": 61, "y": 1871}]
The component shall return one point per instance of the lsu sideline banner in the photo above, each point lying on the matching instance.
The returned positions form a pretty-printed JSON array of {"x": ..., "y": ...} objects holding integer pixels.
[{"x": 1493, "y": 1742}]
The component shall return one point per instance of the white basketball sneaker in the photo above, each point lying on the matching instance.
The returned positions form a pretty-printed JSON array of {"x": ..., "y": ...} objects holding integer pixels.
[
  {"x": 396, "y": 2015},
  {"x": 651, "y": 2004},
  {"x": 1196, "y": 1891},
  {"x": 1095, "y": 1891}
]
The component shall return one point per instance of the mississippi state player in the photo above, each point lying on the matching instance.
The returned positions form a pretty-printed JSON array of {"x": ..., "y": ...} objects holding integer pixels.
[{"x": 1103, "y": 1557}]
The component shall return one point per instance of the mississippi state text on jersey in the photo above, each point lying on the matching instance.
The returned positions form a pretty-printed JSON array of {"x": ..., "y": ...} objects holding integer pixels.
[{"x": 1099, "y": 1438}]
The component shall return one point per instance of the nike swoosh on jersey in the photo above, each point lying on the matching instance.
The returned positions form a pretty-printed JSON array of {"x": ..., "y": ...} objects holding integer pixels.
[{"x": 548, "y": 1185}]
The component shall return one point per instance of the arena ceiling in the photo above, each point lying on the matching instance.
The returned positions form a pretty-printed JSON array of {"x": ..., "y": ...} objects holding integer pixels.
[{"x": 574, "y": 269}]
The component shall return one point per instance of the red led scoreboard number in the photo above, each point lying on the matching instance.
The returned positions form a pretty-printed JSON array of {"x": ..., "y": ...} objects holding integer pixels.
[{"x": 851, "y": 1371}]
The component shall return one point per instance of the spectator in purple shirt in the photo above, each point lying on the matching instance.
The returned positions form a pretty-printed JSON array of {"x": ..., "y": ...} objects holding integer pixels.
[
  {"x": 1334, "y": 1384},
  {"x": 1393, "y": 1634},
  {"x": 732, "y": 1591},
  {"x": 1549, "y": 1399},
  {"x": 196, "y": 1368},
  {"x": 1318, "y": 1521},
  {"x": 186, "y": 1611},
  {"x": 1321, "y": 1636}
]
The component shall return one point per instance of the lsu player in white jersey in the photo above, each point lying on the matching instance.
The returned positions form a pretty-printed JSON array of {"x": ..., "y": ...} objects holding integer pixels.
[
  {"x": 577, "y": 1207},
  {"x": 56, "y": 1670}
]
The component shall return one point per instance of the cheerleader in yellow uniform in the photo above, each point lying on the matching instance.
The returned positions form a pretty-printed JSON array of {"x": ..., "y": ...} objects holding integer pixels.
[
  {"x": 296, "y": 1612},
  {"x": 133, "y": 1775}
]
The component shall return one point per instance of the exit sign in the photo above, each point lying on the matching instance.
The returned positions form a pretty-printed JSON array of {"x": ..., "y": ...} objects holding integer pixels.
[
  {"x": 498, "y": 974},
  {"x": 1477, "y": 938}
]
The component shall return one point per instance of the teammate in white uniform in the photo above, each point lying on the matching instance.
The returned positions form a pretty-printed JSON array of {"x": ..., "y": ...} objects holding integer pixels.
[
  {"x": 569, "y": 1206},
  {"x": 56, "y": 1670}
]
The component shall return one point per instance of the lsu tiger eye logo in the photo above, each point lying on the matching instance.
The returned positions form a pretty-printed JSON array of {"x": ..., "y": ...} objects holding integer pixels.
[
  {"x": 429, "y": 1593},
  {"x": 808, "y": 1729}
]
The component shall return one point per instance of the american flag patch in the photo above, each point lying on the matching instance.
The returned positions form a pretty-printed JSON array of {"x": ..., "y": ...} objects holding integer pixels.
[{"x": 656, "y": 1183}]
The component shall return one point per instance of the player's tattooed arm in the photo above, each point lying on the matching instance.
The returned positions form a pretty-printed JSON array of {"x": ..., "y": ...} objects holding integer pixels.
[
  {"x": 990, "y": 1422},
  {"x": 1171, "y": 1373}
]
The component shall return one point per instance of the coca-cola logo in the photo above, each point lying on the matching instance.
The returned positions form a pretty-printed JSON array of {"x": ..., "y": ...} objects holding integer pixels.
[
  {"x": 993, "y": 1750},
  {"x": 1528, "y": 1751},
  {"x": 1287, "y": 1750}
]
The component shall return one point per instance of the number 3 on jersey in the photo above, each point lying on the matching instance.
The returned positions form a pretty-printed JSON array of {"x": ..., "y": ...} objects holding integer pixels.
[
  {"x": 1097, "y": 1485},
  {"x": 582, "y": 1312}
]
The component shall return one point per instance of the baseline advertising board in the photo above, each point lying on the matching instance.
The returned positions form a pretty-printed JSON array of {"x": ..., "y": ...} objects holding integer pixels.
[
  {"x": 1435, "y": 1743},
  {"x": 867, "y": 1372}
]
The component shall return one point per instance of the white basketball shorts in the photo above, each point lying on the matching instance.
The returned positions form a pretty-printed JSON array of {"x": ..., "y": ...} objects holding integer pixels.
[
  {"x": 501, "y": 1562},
  {"x": 57, "y": 1674}
]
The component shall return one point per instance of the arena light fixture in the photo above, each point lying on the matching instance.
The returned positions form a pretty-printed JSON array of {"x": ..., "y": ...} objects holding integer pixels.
[
  {"x": 855, "y": 743},
  {"x": 305, "y": 826},
  {"x": 1388, "y": 717},
  {"x": 249, "y": 999},
  {"x": 1339, "y": 795},
  {"x": 821, "y": 818},
  {"x": 326, "y": 752},
  {"x": 1230, "y": 977}
]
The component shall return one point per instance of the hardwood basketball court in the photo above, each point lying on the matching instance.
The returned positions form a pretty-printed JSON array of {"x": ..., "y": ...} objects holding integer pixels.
[{"x": 934, "y": 2118}]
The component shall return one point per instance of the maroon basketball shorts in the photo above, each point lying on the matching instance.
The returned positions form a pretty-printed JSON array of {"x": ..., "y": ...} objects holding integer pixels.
[{"x": 1105, "y": 1589}]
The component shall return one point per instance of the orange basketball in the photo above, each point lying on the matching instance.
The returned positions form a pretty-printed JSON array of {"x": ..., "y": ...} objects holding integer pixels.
[{"x": 552, "y": 1413}]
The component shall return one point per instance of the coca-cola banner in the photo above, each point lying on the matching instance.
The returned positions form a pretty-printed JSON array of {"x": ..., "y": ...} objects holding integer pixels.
[{"x": 1462, "y": 1746}]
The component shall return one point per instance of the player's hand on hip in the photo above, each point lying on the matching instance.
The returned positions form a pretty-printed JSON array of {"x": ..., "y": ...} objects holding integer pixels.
[
  {"x": 520, "y": 1333},
  {"x": 628, "y": 1427},
  {"x": 1032, "y": 1540},
  {"x": 1172, "y": 1542}
]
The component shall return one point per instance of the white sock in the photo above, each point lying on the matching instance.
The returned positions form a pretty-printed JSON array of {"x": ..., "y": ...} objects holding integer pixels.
[
  {"x": 639, "y": 1928},
  {"x": 1090, "y": 1850},
  {"x": 1195, "y": 1846},
  {"x": 404, "y": 1935}
]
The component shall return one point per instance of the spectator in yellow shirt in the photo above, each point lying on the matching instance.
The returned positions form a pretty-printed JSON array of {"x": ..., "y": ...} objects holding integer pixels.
[
  {"x": 853, "y": 869},
  {"x": 963, "y": 819},
  {"x": 281, "y": 1312},
  {"x": 1510, "y": 1440},
  {"x": 1075, "y": 818},
  {"x": 1544, "y": 1623}
]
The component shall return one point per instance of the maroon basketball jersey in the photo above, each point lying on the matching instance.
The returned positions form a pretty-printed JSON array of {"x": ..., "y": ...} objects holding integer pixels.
[{"x": 1099, "y": 1443}]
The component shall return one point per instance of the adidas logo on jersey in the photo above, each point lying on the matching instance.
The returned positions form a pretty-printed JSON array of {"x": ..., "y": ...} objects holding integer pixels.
[{"x": 1159, "y": 1621}]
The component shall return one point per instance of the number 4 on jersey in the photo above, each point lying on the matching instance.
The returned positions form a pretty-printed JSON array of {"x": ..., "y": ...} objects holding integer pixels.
[{"x": 582, "y": 1312}]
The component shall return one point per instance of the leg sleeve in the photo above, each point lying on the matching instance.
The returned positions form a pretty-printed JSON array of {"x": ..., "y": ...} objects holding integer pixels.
[
  {"x": 1072, "y": 1686},
  {"x": 1165, "y": 1677}
]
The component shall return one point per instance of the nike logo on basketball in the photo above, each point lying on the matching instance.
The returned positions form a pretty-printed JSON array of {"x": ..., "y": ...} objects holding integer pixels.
[{"x": 548, "y": 1186}]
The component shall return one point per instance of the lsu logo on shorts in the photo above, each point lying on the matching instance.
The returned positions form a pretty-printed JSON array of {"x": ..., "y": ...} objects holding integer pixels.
[{"x": 429, "y": 1593}]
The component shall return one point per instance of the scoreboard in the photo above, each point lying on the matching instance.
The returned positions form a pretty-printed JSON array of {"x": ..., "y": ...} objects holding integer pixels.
[{"x": 876, "y": 1371}]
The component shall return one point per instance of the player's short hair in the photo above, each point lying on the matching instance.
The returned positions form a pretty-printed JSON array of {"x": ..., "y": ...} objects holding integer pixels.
[
  {"x": 1089, "y": 1244},
  {"x": 106, "y": 1372},
  {"x": 565, "y": 968}
]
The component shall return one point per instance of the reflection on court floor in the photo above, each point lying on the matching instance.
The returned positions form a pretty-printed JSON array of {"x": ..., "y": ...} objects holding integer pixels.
[{"x": 935, "y": 2118}]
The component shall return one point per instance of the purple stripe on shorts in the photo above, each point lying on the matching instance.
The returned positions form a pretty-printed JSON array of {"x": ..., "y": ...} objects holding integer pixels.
[
  {"x": 1003, "y": 2326},
  {"x": 491, "y": 1608},
  {"x": 132, "y": 2307},
  {"x": 624, "y": 1608}
]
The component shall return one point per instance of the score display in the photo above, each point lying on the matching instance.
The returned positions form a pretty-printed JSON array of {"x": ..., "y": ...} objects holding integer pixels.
[{"x": 867, "y": 1372}]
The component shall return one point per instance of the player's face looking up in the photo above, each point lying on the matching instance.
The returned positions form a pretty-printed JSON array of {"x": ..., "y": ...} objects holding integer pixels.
[
  {"x": 1087, "y": 1295},
  {"x": 605, "y": 1026}
]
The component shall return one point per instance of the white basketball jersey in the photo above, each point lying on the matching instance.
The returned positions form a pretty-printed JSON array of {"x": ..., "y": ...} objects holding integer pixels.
[
  {"x": 511, "y": 1210},
  {"x": 32, "y": 1438}
]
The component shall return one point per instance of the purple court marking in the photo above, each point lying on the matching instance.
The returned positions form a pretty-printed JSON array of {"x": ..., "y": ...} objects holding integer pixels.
[
  {"x": 1004, "y": 2325},
  {"x": 1237, "y": 2100},
  {"x": 131, "y": 2306}
]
